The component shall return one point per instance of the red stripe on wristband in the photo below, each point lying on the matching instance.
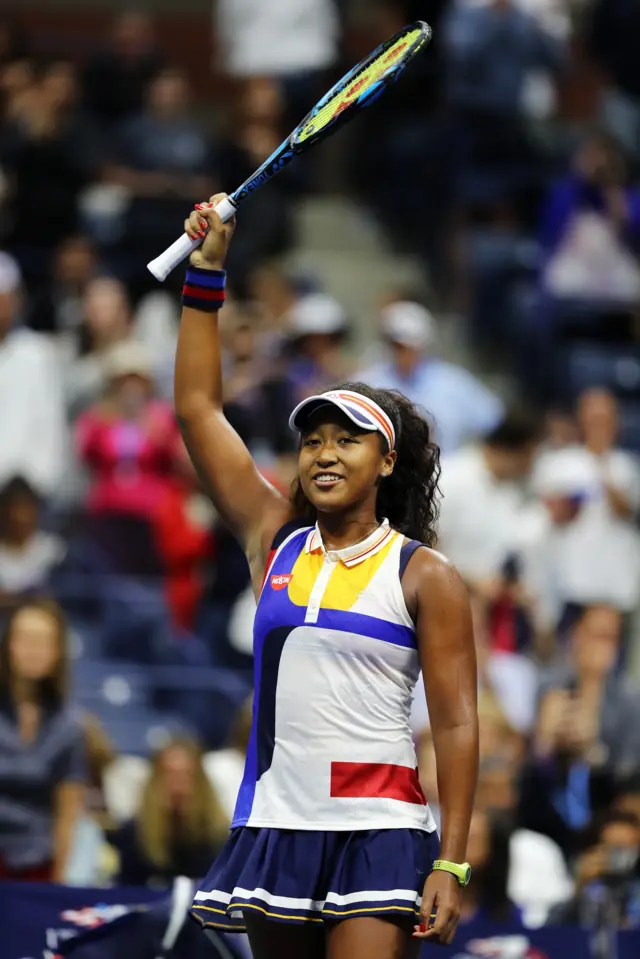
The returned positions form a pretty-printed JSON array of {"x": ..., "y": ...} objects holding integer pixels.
[{"x": 200, "y": 293}]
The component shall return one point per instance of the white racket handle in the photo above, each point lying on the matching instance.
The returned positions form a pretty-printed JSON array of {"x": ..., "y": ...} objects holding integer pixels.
[{"x": 174, "y": 255}]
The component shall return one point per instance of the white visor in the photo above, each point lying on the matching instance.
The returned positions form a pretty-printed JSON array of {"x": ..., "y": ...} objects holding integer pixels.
[{"x": 362, "y": 411}]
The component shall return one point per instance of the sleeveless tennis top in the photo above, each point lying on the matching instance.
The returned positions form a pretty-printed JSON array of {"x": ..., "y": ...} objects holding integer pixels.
[{"x": 336, "y": 662}]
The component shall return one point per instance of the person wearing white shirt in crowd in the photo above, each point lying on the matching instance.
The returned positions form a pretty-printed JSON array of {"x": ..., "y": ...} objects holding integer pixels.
[
  {"x": 483, "y": 499},
  {"x": 33, "y": 431},
  {"x": 460, "y": 407},
  {"x": 592, "y": 494},
  {"x": 266, "y": 38}
]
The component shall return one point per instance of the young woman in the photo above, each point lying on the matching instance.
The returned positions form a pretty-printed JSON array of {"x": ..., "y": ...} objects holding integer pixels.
[
  {"x": 180, "y": 825},
  {"x": 333, "y": 850},
  {"x": 42, "y": 750}
]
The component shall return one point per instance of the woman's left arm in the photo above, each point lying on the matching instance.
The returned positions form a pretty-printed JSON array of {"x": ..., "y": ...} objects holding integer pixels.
[
  {"x": 448, "y": 660},
  {"x": 68, "y": 806},
  {"x": 68, "y": 798}
]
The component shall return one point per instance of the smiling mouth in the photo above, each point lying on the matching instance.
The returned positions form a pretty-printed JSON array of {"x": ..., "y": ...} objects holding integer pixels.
[{"x": 326, "y": 480}]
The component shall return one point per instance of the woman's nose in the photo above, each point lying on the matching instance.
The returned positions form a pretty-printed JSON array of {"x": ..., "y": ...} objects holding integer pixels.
[{"x": 326, "y": 456}]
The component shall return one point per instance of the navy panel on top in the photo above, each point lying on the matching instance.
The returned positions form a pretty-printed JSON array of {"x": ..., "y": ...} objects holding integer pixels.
[{"x": 406, "y": 553}]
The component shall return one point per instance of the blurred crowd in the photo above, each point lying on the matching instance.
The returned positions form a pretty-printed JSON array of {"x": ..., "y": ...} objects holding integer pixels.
[{"x": 125, "y": 663}]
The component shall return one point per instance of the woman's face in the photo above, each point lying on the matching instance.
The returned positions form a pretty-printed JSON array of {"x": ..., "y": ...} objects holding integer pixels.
[
  {"x": 106, "y": 308},
  {"x": 178, "y": 770},
  {"x": 479, "y": 844},
  {"x": 34, "y": 646},
  {"x": 338, "y": 466}
]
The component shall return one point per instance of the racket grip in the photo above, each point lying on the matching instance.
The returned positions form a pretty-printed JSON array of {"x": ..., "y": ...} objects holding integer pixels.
[{"x": 183, "y": 247}]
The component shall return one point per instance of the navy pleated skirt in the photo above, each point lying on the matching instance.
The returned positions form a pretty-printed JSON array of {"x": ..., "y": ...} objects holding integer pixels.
[{"x": 306, "y": 876}]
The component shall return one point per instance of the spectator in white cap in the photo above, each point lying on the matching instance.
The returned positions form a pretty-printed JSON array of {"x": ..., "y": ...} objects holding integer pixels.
[
  {"x": 592, "y": 493},
  {"x": 317, "y": 329},
  {"x": 459, "y": 405},
  {"x": 32, "y": 425}
]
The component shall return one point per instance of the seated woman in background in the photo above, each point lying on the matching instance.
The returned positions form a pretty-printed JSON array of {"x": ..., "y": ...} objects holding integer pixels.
[
  {"x": 488, "y": 854},
  {"x": 42, "y": 754},
  {"x": 28, "y": 554},
  {"x": 180, "y": 826}
]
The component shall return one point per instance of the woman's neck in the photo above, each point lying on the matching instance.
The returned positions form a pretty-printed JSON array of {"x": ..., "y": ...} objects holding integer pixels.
[
  {"x": 339, "y": 530},
  {"x": 25, "y": 691}
]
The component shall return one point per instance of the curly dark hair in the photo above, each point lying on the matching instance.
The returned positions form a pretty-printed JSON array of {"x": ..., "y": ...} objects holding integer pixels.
[{"x": 409, "y": 497}]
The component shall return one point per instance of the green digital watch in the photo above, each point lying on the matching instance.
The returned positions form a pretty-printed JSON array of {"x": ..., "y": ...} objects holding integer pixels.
[{"x": 460, "y": 871}]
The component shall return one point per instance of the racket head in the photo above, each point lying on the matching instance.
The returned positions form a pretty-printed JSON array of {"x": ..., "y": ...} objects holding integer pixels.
[{"x": 362, "y": 85}]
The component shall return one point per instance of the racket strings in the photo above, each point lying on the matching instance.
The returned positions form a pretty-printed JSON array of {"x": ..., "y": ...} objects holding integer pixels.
[{"x": 361, "y": 82}]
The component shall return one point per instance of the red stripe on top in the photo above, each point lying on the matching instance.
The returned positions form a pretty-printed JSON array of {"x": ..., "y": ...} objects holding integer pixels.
[
  {"x": 270, "y": 558},
  {"x": 376, "y": 781},
  {"x": 200, "y": 293}
]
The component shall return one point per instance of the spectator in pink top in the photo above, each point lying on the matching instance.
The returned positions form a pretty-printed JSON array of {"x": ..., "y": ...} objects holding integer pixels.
[{"x": 129, "y": 440}]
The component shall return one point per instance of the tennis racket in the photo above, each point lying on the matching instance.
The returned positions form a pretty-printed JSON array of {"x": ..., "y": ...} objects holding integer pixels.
[{"x": 357, "y": 89}]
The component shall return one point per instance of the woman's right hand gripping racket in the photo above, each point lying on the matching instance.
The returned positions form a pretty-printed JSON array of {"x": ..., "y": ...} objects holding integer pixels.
[{"x": 363, "y": 85}]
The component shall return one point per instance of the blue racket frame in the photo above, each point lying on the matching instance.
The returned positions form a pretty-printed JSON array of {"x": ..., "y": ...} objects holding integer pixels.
[{"x": 290, "y": 148}]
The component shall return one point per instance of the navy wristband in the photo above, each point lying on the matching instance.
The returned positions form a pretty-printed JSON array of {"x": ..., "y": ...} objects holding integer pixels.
[{"x": 204, "y": 289}]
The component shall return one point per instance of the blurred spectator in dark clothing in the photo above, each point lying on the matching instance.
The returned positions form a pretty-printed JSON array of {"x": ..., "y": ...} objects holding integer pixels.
[
  {"x": 258, "y": 392},
  {"x": 493, "y": 52},
  {"x": 42, "y": 754},
  {"x": 28, "y": 554},
  {"x": 51, "y": 152},
  {"x": 58, "y": 309},
  {"x": 180, "y": 827},
  {"x": 628, "y": 796},
  {"x": 106, "y": 322},
  {"x": 588, "y": 727},
  {"x": 458, "y": 404},
  {"x": 129, "y": 440},
  {"x": 12, "y": 41},
  {"x": 591, "y": 227},
  {"x": 613, "y": 30},
  {"x": 607, "y": 887},
  {"x": 411, "y": 140},
  {"x": 254, "y": 135},
  {"x": 164, "y": 158},
  {"x": 598, "y": 706},
  {"x": 115, "y": 80},
  {"x": 489, "y": 857}
]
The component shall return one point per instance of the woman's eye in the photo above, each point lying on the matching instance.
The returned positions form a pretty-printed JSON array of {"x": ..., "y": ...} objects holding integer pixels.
[
  {"x": 347, "y": 439},
  {"x": 311, "y": 442}
]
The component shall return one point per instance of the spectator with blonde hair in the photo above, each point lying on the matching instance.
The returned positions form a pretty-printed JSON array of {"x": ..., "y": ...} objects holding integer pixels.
[
  {"x": 42, "y": 754},
  {"x": 180, "y": 826}
]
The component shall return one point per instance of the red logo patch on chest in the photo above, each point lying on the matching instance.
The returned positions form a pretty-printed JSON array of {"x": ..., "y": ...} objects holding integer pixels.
[{"x": 281, "y": 580}]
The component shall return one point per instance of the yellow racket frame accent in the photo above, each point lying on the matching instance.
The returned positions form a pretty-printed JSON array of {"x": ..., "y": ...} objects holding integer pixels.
[{"x": 359, "y": 83}]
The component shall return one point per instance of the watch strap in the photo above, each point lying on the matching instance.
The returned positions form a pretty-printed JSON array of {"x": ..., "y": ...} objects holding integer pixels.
[{"x": 461, "y": 871}]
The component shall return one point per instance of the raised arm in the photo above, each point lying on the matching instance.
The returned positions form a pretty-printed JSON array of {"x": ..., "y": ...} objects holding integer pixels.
[{"x": 247, "y": 503}]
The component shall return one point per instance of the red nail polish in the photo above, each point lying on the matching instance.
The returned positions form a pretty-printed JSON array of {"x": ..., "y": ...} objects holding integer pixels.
[
  {"x": 198, "y": 206},
  {"x": 204, "y": 224},
  {"x": 201, "y": 235},
  {"x": 423, "y": 927}
]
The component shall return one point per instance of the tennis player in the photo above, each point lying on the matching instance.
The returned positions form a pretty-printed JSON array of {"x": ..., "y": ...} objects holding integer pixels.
[{"x": 333, "y": 849}]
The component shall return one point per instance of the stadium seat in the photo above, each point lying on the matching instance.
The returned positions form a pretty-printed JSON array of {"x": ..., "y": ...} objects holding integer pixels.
[
  {"x": 149, "y": 731},
  {"x": 584, "y": 365},
  {"x": 100, "y": 684}
]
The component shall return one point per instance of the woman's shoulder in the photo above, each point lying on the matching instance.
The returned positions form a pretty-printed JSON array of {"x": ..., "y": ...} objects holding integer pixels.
[{"x": 427, "y": 567}]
